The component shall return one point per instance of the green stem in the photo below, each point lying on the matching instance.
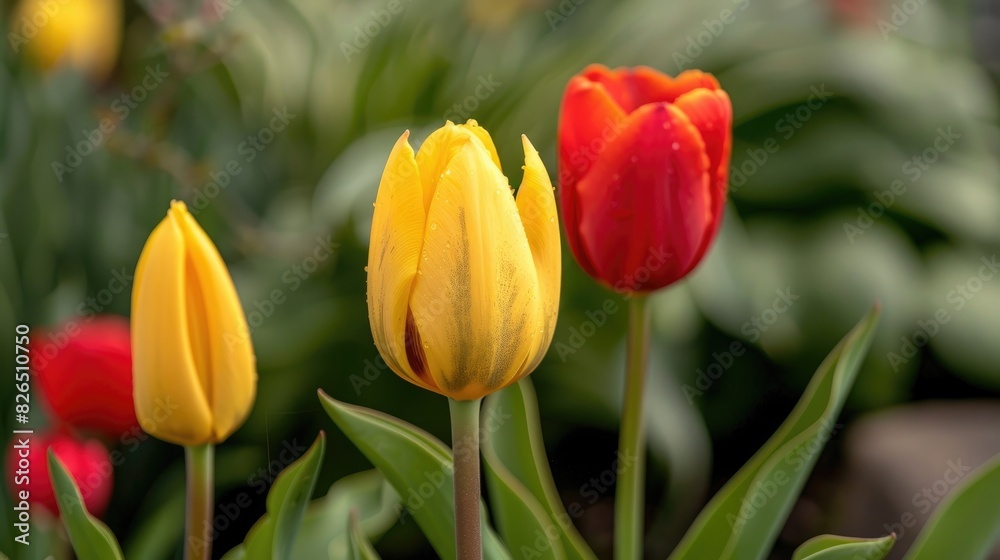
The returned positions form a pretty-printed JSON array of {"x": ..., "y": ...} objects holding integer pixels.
[
  {"x": 629, "y": 494},
  {"x": 200, "y": 501},
  {"x": 465, "y": 446}
]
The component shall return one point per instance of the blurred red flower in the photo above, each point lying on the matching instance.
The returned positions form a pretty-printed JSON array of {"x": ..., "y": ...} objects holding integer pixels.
[{"x": 84, "y": 373}]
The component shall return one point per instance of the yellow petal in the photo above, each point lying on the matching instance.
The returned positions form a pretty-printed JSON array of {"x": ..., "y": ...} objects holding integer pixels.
[
  {"x": 484, "y": 136},
  {"x": 475, "y": 298},
  {"x": 396, "y": 240},
  {"x": 536, "y": 205},
  {"x": 217, "y": 326},
  {"x": 169, "y": 401},
  {"x": 432, "y": 159}
]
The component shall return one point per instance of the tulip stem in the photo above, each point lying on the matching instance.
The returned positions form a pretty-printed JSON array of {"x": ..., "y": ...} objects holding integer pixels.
[
  {"x": 200, "y": 501},
  {"x": 629, "y": 494},
  {"x": 465, "y": 448}
]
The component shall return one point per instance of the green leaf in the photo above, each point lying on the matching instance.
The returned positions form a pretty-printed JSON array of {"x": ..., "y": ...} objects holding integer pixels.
[
  {"x": 417, "y": 465},
  {"x": 522, "y": 492},
  {"x": 323, "y": 533},
  {"x": 967, "y": 524},
  {"x": 273, "y": 535},
  {"x": 360, "y": 548},
  {"x": 832, "y": 547},
  {"x": 91, "y": 539},
  {"x": 743, "y": 519}
]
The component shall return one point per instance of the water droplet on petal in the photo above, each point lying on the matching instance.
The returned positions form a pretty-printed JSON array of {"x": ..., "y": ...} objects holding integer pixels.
[
  {"x": 552, "y": 219},
  {"x": 366, "y": 269},
  {"x": 675, "y": 146},
  {"x": 447, "y": 171},
  {"x": 434, "y": 226}
]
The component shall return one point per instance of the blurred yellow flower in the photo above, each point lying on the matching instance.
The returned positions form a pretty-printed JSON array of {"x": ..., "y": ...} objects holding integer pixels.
[
  {"x": 463, "y": 279},
  {"x": 193, "y": 361},
  {"x": 83, "y": 34}
]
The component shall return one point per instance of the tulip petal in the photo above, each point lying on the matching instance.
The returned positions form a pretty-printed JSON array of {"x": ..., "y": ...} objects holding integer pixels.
[
  {"x": 169, "y": 401},
  {"x": 645, "y": 203},
  {"x": 712, "y": 114},
  {"x": 484, "y": 136},
  {"x": 441, "y": 147},
  {"x": 396, "y": 240},
  {"x": 651, "y": 86},
  {"x": 475, "y": 296},
  {"x": 588, "y": 120},
  {"x": 632, "y": 88},
  {"x": 536, "y": 206},
  {"x": 217, "y": 329}
]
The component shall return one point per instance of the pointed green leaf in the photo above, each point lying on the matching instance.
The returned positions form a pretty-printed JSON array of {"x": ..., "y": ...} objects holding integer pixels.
[
  {"x": 360, "y": 548},
  {"x": 742, "y": 521},
  {"x": 273, "y": 535},
  {"x": 967, "y": 524},
  {"x": 417, "y": 465},
  {"x": 92, "y": 540},
  {"x": 517, "y": 470},
  {"x": 833, "y": 547}
]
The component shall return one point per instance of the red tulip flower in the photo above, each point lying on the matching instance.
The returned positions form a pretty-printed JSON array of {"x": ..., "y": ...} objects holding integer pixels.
[
  {"x": 644, "y": 166},
  {"x": 86, "y": 461},
  {"x": 84, "y": 373}
]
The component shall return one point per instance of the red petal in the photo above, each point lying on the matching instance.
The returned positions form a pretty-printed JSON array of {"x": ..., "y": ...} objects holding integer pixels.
[
  {"x": 645, "y": 204},
  {"x": 712, "y": 114},
  {"x": 632, "y": 88},
  {"x": 588, "y": 119},
  {"x": 651, "y": 86}
]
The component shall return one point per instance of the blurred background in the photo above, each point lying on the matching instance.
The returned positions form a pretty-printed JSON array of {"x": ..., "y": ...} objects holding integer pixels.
[{"x": 865, "y": 167}]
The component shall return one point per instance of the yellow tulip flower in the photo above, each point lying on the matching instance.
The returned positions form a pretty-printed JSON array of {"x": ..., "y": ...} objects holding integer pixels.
[
  {"x": 194, "y": 369},
  {"x": 83, "y": 34},
  {"x": 463, "y": 279}
]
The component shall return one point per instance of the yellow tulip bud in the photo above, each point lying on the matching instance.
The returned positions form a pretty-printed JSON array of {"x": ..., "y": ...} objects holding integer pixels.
[
  {"x": 193, "y": 364},
  {"x": 83, "y": 34},
  {"x": 463, "y": 279}
]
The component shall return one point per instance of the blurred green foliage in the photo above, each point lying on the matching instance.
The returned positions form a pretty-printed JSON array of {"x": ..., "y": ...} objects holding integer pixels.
[{"x": 833, "y": 100}]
